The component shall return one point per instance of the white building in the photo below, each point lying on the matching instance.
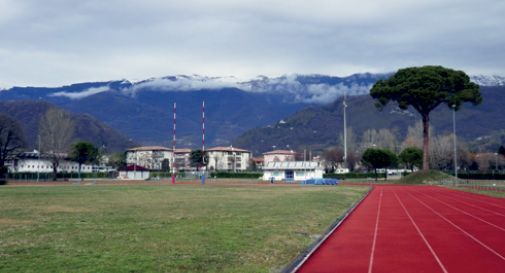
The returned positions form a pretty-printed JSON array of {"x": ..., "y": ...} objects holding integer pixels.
[
  {"x": 183, "y": 159},
  {"x": 134, "y": 172},
  {"x": 30, "y": 162},
  {"x": 149, "y": 157},
  {"x": 292, "y": 171},
  {"x": 228, "y": 159},
  {"x": 278, "y": 156}
]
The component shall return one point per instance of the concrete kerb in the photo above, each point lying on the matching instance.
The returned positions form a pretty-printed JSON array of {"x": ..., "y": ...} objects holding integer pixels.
[{"x": 311, "y": 249}]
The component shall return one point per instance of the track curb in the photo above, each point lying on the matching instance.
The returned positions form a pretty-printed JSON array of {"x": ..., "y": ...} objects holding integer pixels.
[{"x": 312, "y": 248}]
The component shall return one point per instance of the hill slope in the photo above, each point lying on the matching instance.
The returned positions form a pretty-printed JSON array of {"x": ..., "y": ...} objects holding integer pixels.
[
  {"x": 28, "y": 114},
  {"x": 320, "y": 126}
]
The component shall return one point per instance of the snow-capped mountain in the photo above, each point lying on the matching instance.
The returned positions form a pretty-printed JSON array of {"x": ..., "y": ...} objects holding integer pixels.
[
  {"x": 493, "y": 80},
  {"x": 142, "y": 109}
]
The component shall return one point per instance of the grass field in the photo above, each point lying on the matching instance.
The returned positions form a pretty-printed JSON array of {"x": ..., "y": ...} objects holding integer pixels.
[{"x": 139, "y": 228}]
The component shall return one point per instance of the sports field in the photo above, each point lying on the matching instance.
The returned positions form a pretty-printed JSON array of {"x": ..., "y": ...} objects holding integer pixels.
[
  {"x": 417, "y": 229},
  {"x": 163, "y": 228}
]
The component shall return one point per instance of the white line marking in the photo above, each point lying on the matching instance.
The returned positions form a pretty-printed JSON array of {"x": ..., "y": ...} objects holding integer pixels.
[
  {"x": 474, "y": 199},
  {"x": 460, "y": 229},
  {"x": 422, "y": 235},
  {"x": 471, "y": 205},
  {"x": 370, "y": 265},
  {"x": 464, "y": 212}
]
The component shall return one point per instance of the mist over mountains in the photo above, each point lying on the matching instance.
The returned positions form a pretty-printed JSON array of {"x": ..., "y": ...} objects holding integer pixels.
[{"x": 142, "y": 110}]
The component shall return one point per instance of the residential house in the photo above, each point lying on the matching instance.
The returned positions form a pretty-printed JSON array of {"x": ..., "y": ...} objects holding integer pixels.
[
  {"x": 228, "y": 159},
  {"x": 278, "y": 156},
  {"x": 150, "y": 157}
]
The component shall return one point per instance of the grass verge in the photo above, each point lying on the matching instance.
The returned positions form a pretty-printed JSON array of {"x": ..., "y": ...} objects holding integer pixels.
[
  {"x": 500, "y": 194},
  {"x": 424, "y": 177},
  {"x": 162, "y": 228}
]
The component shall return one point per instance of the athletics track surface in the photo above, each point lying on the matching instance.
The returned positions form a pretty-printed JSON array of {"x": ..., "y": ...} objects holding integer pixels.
[{"x": 417, "y": 229}]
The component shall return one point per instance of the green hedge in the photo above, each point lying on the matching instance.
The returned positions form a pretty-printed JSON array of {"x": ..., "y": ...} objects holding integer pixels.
[
  {"x": 236, "y": 175},
  {"x": 482, "y": 176},
  {"x": 353, "y": 175}
]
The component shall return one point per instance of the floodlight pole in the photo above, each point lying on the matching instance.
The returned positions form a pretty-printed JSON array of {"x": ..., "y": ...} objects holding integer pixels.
[
  {"x": 38, "y": 161},
  {"x": 454, "y": 138}
]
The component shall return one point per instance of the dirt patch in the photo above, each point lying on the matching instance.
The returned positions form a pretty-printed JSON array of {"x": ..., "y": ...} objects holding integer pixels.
[
  {"x": 14, "y": 222},
  {"x": 66, "y": 209}
]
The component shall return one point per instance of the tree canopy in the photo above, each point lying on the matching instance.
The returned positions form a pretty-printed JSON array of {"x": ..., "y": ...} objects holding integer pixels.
[
  {"x": 411, "y": 157},
  {"x": 379, "y": 159},
  {"x": 84, "y": 152},
  {"x": 11, "y": 140},
  {"x": 425, "y": 88},
  {"x": 199, "y": 158}
]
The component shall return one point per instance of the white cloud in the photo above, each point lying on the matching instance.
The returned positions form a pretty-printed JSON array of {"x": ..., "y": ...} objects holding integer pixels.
[
  {"x": 83, "y": 94},
  {"x": 53, "y": 42}
]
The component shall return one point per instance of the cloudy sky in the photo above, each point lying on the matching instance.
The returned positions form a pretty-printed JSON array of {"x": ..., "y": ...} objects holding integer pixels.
[{"x": 54, "y": 42}]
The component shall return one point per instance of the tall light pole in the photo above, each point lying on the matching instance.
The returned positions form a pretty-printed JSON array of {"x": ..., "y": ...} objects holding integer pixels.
[
  {"x": 454, "y": 138},
  {"x": 38, "y": 161}
]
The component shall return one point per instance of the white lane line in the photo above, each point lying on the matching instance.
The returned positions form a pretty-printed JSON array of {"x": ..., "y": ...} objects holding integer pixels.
[
  {"x": 471, "y": 205},
  {"x": 464, "y": 212},
  {"x": 370, "y": 265},
  {"x": 422, "y": 235},
  {"x": 460, "y": 229},
  {"x": 463, "y": 195}
]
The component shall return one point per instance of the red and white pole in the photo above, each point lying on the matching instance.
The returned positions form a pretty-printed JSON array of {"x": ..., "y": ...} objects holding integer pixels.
[
  {"x": 203, "y": 141},
  {"x": 203, "y": 126},
  {"x": 173, "y": 143}
]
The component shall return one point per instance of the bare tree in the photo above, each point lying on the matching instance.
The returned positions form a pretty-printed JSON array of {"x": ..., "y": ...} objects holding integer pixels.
[
  {"x": 382, "y": 138},
  {"x": 414, "y": 136},
  {"x": 11, "y": 140},
  {"x": 56, "y": 132},
  {"x": 333, "y": 157}
]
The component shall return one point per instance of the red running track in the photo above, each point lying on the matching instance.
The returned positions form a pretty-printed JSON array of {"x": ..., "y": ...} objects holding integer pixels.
[{"x": 417, "y": 229}]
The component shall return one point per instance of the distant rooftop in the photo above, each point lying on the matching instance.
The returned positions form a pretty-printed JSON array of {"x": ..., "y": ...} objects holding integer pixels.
[
  {"x": 150, "y": 148},
  {"x": 280, "y": 152},
  {"x": 227, "y": 149}
]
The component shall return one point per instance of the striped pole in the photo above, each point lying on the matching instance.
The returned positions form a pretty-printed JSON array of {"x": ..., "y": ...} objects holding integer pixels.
[
  {"x": 173, "y": 143},
  {"x": 203, "y": 126},
  {"x": 203, "y": 141}
]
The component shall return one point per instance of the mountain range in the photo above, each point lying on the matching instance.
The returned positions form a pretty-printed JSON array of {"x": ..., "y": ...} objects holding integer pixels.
[
  {"x": 242, "y": 112},
  {"x": 143, "y": 110},
  {"x": 318, "y": 127}
]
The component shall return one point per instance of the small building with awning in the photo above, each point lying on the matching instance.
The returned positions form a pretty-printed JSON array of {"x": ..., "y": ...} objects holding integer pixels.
[{"x": 292, "y": 171}]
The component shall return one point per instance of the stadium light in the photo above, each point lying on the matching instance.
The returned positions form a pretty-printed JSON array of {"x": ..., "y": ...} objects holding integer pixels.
[{"x": 454, "y": 138}]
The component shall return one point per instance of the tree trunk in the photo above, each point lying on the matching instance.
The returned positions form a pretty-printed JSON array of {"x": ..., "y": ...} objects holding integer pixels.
[
  {"x": 80, "y": 171},
  {"x": 426, "y": 142},
  {"x": 375, "y": 170}
]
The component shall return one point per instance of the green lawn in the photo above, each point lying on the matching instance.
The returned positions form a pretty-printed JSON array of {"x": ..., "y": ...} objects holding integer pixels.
[{"x": 163, "y": 228}]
